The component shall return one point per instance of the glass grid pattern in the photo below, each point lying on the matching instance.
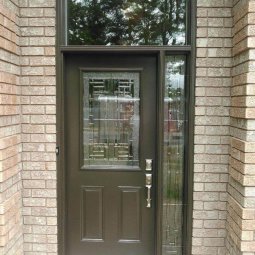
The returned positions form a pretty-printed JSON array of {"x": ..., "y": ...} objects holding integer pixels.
[
  {"x": 111, "y": 118},
  {"x": 173, "y": 160}
]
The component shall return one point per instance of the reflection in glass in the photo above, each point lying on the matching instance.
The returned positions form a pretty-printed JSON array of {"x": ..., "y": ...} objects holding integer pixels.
[
  {"x": 173, "y": 164},
  {"x": 111, "y": 118},
  {"x": 126, "y": 22}
]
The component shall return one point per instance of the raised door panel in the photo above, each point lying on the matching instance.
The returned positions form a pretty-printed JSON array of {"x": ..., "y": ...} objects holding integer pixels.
[
  {"x": 130, "y": 214},
  {"x": 92, "y": 214}
]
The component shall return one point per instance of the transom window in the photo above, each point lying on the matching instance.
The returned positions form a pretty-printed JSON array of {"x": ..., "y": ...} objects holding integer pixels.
[{"x": 126, "y": 22}]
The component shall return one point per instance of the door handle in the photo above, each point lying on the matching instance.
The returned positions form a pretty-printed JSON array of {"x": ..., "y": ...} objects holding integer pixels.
[{"x": 148, "y": 185}]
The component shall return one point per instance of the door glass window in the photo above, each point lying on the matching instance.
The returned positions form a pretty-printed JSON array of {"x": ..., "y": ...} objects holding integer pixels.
[
  {"x": 111, "y": 118},
  {"x": 173, "y": 161},
  {"x": 126, "y": 22}
]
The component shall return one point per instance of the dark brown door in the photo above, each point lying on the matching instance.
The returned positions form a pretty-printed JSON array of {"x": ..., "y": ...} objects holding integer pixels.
[{"x": 110, "y": 126}]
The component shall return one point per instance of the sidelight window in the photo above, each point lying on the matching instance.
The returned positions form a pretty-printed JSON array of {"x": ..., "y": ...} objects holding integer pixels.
[{"x": 173, "y": 155}]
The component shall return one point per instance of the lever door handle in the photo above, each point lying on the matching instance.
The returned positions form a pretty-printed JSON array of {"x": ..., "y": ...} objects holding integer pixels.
[
  {"x": 148, "y": 185},
  {"x": 148, "y": 196}
]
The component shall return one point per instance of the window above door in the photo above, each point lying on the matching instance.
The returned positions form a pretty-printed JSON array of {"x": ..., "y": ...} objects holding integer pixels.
[{"x": 127, "y": 22}]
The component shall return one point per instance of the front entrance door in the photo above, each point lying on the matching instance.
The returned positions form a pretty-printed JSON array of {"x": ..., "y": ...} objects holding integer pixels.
[{"x": 110, "y": 132}]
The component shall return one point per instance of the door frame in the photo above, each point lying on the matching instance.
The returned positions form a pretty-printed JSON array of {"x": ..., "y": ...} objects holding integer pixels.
[
  {"x": 144, "y": 66},
  {"x": 161, "y": 51}
]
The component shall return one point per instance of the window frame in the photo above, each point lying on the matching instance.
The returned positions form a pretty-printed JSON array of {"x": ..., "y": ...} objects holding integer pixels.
[{"x": 64, "y": 27}]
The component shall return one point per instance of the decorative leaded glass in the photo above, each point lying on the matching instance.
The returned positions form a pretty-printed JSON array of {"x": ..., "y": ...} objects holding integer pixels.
[
  {"x": 173, "y": 164},
  {"x": 111, "y": 118}
]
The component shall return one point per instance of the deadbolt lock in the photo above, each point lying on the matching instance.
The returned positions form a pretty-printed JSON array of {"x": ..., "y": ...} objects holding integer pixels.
[{"x": 148, "y": 166}]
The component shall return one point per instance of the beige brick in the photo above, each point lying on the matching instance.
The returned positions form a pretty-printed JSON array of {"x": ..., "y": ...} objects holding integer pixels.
[
  {"x": 31, "y": 12},
  {"x": 41, "y": 22},
  {"x": 212, "y": 3},
  {"x": 37, "y": 105},
  {"x": 39, "y": 120},
  {"x": 214, "y": 242}
]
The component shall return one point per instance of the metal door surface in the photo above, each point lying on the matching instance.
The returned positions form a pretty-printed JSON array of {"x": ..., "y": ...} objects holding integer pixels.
[{"x": 110, "y": 152}]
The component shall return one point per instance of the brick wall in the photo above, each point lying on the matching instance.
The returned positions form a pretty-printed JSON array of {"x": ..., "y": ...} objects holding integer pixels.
[
  {"x": 38, "y": 126},
  {"x": 241, "y": 189},
  {"x": 10, "y": 131},
  {"x": 224, "y": 207},
  {"x": 212, "y": 105}
]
